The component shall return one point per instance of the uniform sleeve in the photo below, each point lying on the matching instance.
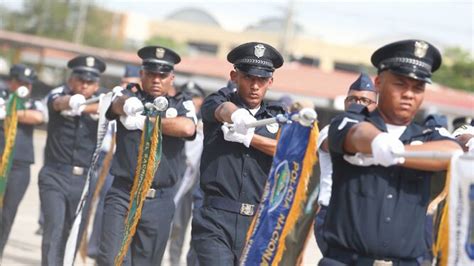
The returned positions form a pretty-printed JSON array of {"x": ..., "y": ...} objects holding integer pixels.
[
  {"x": 52, "y": 96},
  {"x": 339, "y": 128},
  {"x": 211, "y": 103},
  {"x": 187, "y": 109},
  {"x": 441, "y": 133},
  {"x": 184, "y": 108},
  {"x": 113, "y": 116}
]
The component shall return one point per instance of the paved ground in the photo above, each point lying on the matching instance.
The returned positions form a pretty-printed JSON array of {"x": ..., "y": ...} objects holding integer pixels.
[{"x": 24, "y": 247}]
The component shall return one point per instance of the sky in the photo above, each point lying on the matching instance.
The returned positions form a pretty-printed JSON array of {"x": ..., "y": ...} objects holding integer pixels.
[{"x": 371, "y": 22}]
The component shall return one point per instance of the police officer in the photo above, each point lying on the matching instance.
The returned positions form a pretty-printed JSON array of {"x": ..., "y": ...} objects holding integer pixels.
[
  {"x": 72, "y": 133},
  {"x": 235, "y": 163},
  {"x": 377, "y": 211},
  {"x": 148, "y": 244},
  {"x": 362, "y": 91},
  {"x": 23, "y": 156}
]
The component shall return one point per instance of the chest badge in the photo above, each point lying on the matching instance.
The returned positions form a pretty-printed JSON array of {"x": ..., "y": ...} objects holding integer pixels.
[
  {"x": 272, "y": 128},
  {"x": 171, "y": 113}
]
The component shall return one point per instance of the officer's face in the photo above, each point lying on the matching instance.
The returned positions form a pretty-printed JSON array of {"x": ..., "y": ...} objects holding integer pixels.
[
  {"x": 250, "y": 88},
  {"x": 14, "y": 84},
  {"x": 84, "y": 87},
  {"x": 367, "y": 98},
  {"x": 400, "y": 97},
  {"x": 156, "y": 84}
]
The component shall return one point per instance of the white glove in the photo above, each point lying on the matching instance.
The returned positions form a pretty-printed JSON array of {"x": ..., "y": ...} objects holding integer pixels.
[
  {"x": 384, "y": 146},
  {"x": 359, "y": 159},
  {"x": 3, "y": 111},
  {"x": 133, "y": 122},
  {"x": 464, "y": 129},
  {"x": 133, "y": 106},
  {"x": 116, "y": 92},
  {"x": 234, "y": 136},
  {"x": 470, "y": 145},
  {"x": 76, "y": 102},
  {"x": 240, "y": 118}
]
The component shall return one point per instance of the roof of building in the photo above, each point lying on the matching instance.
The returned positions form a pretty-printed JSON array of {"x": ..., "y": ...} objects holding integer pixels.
[
  {"x": 294, "y": 78},
  {"x": 194, "y": 15}
]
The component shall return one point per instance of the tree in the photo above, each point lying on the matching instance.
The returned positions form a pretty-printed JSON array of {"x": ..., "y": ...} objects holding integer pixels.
[
  {"x": 458, "y": 71},
  {"x": 59, "y": 19}
]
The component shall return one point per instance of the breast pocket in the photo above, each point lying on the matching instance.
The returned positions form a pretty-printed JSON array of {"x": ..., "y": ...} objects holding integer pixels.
[
  {"x": 365, "y": 185},
  {"x": 413, "y": 188}
]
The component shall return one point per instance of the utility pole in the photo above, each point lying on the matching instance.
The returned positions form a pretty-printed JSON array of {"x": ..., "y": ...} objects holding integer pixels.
[
  {"x": 287, "y": 29},
  {"x": 81, "y": 21}
]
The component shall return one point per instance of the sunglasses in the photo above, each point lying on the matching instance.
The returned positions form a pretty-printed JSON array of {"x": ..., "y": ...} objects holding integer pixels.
[{"x": 360, "y": 100}]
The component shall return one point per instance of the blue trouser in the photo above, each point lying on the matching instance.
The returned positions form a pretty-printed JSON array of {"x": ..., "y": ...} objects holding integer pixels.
[
  {"x": 94, "y": 240},
  {"x": 218, "y": 236},
  {"x": 149, "y": 242},
  {"x": 17, "y": 183},
  {"x": 198, "y": 197},
  {"x": 60, "y": 192},
  {"x": 178, "y": 229},
  {"x": 318, "y": 229}
]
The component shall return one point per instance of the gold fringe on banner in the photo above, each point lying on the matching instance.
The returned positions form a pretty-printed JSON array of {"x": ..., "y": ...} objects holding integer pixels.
[{"x": 146, "y": 166}]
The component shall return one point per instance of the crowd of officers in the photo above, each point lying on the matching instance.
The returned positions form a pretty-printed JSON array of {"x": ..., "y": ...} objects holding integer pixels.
[{"x": 373, "y": 201}]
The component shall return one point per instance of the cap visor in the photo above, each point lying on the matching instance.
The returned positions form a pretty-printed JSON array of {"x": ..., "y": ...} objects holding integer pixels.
[
  {"x": 258, "y": 72},
  {"x": 412, "y": 74},
  {"x": 87, "y": 77},
  {"x": 155, "y": 68}
]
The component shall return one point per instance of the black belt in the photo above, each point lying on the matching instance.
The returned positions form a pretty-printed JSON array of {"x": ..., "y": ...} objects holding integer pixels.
[
  {"x": 352, "y": 258},
  {"x": 229, "y": 205},
  {"x": 152, "y": 193}
]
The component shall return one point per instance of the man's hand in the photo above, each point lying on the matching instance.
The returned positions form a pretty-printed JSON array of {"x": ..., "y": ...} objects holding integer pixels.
[
  {"x": 76, "y": 102},
  {"x": 240, "y": 118},
  {"x": 133, "y": 122},
  {"x": 384, "y": 146},
  {"x": 234, "y": 136},
  {"x": 133, "y": 106}
]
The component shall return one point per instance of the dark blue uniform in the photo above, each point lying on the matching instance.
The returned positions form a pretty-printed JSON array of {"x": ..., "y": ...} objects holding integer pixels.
[
  {"x": 232, "y": 179},
  {"x": 69, "y": 147},
  {"x": 149, "y": 241},
  {"x": 19, "y": 177},
  {"x": 376, "y": 212}
]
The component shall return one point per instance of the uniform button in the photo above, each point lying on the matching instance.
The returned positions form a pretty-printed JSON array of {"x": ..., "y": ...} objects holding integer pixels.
[
  {"x": 385, "y": 244},
  {"x": 389, "y": 196},
  {"x": 388, "y": 219}
]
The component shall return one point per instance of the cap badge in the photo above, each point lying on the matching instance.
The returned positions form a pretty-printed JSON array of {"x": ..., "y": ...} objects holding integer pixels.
[
  {"x": 160, "y": 52},
  {"x": 259, "y": 50},
  {"x": 27, "y": 72},
  {"x": 90, "y": 61},
  {"x": 420, "y": 49}
]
